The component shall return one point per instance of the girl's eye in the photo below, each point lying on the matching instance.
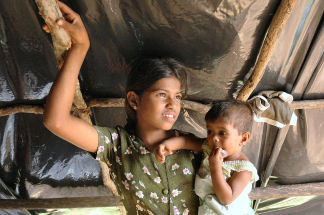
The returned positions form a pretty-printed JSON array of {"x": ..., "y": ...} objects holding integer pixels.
[
  {"x": 209, "y": 132},
  {"x": 163, "y": 95},
  {"x": 178, "y": 97},
  {"x": 222, "y": 133}
]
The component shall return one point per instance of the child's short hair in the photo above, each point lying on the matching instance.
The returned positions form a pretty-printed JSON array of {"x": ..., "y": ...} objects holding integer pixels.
[{"x": 235, "y": 112}]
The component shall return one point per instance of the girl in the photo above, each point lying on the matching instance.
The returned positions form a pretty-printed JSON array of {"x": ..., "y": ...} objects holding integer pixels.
[
  {"x": 225, "y": 177},
  {"x": 153, "y": 95}
]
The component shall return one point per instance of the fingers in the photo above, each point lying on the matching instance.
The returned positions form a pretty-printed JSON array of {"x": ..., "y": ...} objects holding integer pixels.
[
  {"x": 65, "y": 9},
  {"x": 46, "y": 28}
]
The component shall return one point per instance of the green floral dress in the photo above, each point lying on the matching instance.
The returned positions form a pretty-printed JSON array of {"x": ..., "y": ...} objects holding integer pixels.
[{"x": 146, "y": 186}]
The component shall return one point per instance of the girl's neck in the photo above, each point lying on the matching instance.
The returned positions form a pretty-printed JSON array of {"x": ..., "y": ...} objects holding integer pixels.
[{"x": 151, "y": 137}]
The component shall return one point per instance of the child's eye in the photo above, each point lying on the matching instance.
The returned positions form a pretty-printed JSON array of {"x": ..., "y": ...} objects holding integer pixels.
[
  {"x": 222, "y": 133},
  {"x": 209, "y": 132}
]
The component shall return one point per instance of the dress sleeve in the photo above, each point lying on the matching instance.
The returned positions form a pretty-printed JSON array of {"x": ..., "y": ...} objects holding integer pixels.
[{"x": 108, "y": 139}]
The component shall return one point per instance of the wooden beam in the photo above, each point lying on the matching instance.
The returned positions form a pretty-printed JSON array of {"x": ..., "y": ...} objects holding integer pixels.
[
  {"x": 34, "y": 109},
  {"x": 119, "y": 102},
  {"x": 76, "y": 202},
  {"x": 284, "y": 191}
]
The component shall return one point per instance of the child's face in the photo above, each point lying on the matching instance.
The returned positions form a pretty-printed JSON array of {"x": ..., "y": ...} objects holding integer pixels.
[
  {"x": 159, "y": 106},
  {"x": 223, "y": 135}
]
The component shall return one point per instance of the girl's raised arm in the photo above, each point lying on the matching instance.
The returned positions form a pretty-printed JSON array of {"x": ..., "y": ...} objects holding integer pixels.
[{"x": 57, "y": 117}]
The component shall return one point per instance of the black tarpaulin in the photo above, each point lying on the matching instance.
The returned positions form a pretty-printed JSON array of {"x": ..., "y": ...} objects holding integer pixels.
[{"x": 218, "y": 41}]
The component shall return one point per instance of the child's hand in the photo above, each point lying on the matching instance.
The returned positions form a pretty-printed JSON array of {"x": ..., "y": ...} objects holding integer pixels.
[
  {"x": 216, "y": 158},
  {"x": 161, "y": 151}
]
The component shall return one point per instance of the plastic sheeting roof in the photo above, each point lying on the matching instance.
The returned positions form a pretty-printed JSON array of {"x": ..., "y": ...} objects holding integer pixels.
[{"x": 217, "y": 40}]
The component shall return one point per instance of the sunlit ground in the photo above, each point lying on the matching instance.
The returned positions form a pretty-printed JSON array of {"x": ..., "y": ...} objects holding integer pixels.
[{"x": 84, "y": 211}]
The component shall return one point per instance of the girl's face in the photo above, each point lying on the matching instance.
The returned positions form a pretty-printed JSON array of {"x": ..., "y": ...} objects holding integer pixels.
[
  {"x": 223, "y": 135},
  {"x": 159, "y": 106}
]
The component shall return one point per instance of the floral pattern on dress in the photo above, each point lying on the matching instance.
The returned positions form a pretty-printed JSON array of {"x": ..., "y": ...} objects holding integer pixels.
[
  {"x": 175, "y": 166},
  {"x": 118, "y": 160},
  {"x": 139, "y": 194},
  {"x": 164, "y": 199},
  {"x": 175, "y": 192},
  {"x": 145, "y": 169},
  {"x": 141, "y": 183},
  {"x": 126, "y": 184},
  {"x": 186, "y": 171},
  {"x": 101, "y": 149},
  {"x": 114, "y": 136},
  {"x": 153, "y": 195},
  {"x": 186, "y": 211},
  {"x": 176, "y": 210},
  {"x": 128, "y": 151},
  {"x": 134, "y": 168},
  {"x": 157, "y": 180},
  {"x": 129, "y": 176},
  {"x": 143, "y": 150},
  {"x": 106, "y": 139}
]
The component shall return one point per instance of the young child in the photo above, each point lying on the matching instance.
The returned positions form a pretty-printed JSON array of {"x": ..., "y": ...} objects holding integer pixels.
[
  {"x": 153, "y": 95},
  {"x": 225, "y": 177}
]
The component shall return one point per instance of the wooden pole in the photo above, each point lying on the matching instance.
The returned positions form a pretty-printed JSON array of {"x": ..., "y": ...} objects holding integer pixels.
[
  {"x": 50, "y": 12},
  {"x": 282, "y": 191},
  {"x": 267, "y": 48}
]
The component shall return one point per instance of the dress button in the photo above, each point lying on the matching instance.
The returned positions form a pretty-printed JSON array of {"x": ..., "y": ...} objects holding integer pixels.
[{"x": 165, "y": 191}]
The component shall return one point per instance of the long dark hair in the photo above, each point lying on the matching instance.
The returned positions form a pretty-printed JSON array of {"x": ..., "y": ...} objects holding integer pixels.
[{"x": 144, "y": 73}]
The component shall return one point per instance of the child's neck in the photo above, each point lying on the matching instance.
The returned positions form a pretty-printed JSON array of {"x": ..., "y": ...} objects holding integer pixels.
[{"x": 236, "y": 156}]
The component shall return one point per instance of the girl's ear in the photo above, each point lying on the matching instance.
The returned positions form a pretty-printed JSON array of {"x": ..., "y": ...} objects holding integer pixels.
[
  {"x": 245, "y": 138},
  {"x": 133, "y": 99}
]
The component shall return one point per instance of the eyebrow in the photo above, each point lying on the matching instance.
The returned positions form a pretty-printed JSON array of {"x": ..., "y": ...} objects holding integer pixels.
[{"x": 161, "y": 89}]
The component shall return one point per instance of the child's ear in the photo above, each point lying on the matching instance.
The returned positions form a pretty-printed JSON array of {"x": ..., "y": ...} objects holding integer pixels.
[
  {"x": 133, "y": 99},
  {"x": 245, "y": 138}
]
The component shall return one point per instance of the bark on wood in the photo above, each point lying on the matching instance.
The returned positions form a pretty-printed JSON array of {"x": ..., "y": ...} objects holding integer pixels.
[
  {"x": 284, "y": 191},
  {"x": 50, "y": 12},
  {"x": 35, "y": 109},
  {"x": 268, "y": 45},
  {"x": 76, "y": 202}
]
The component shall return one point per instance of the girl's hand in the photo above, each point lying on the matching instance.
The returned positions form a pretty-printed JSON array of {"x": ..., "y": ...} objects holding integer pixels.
[
  {"x": 216, "y": 158},
  {"x": 160, "y": 151},
  {"x": 73, "y": 25}
]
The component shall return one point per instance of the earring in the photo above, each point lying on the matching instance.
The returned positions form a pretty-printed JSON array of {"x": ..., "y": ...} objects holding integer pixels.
[{"x": 134, "y": 107}]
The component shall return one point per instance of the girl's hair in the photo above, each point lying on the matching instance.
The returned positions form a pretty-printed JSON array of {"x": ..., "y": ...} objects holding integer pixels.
[
  {"x": 144, "y": 73},
  {"x": 235, "y": 112}
]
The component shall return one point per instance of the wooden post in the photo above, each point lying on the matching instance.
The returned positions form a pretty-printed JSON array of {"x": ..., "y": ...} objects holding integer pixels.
[
  {"x": 50, "y": 12},
  {"x": 267, "y": 48}
]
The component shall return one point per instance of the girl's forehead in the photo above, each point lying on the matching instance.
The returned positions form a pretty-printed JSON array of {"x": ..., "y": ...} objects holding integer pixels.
[{"x": 168, "y": 84}]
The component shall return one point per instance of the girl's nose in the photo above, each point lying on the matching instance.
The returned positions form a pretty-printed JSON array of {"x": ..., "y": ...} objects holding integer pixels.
[{"x": 171, "y": 103}]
